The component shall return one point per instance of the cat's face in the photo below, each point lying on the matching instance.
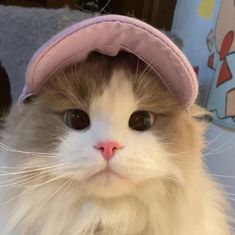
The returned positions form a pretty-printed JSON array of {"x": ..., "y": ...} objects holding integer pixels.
[{"x": 113, "y": 126}]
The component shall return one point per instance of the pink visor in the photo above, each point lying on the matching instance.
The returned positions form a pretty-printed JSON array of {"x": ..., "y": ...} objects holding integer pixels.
[{"x": 109, "y": 35}]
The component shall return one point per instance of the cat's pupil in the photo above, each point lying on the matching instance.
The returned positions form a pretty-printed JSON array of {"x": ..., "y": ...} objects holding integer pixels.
[
  {"x": 77, "y": 119},
  {"x": 141, "y": 120}
]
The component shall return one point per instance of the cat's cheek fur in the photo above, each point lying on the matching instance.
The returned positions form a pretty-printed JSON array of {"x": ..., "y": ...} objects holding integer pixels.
[
  {"x": 141, "y": 159},
  {"x": 145, "y": 159}
]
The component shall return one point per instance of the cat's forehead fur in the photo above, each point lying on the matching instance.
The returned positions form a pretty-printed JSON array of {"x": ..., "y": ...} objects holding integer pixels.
[{"x": 79, "y": 84}]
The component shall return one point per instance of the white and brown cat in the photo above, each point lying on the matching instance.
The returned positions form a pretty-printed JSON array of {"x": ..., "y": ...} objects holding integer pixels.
[{"x": 104, "y": 149}]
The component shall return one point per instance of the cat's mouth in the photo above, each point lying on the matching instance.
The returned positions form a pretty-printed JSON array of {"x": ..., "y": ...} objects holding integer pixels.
[{"x": 108, "y": 172}]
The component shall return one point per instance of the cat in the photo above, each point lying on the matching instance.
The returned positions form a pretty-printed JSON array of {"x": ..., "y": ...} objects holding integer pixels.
[{"x": 105, "y": 149}]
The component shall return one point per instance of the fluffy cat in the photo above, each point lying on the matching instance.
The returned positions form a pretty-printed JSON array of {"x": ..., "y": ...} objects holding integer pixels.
[{"x": 104, "y": 149}]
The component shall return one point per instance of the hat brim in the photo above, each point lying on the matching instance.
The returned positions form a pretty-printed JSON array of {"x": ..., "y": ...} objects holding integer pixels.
[{"x": 109, "y": 35}]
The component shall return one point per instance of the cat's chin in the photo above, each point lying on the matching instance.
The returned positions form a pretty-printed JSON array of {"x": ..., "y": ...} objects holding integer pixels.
[{"x": 108, "y": 185}]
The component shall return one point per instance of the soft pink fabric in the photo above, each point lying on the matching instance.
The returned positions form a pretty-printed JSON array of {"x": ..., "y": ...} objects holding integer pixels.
[{"x": 108, "y": 35}]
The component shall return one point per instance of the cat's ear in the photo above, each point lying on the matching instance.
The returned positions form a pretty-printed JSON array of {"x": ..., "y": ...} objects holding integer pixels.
[{"x": 199, "y": 113}]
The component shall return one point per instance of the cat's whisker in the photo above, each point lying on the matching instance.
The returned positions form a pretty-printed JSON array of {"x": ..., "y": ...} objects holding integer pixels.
[
  {"x": 22, "y": 167},
  {"x": 231, "y": 199},
  {"x": 30, "y": 180},
  {"x": 26, "y": 191},
  {"x": 63, "y": 186},
  {"x": 5, "y": 171},
  {"x": 25, "y": 178},
  {"x": 229, "y": 194},
  {"x": 216, "y": 151},
  {"x": 222, "y": 149},
  {"x": 9, "y": 149},
  {"x": 34, "y": 169},
  {"x": 222, "y": 176},
  {"x": 35, "y": 186},
  {"x": 16, "y": 176},
  {"x": 19, "y": 183},
  {"x": 16, "y": 182},
  {"x": 214, "y": 139},
  {"x": 9, "y": 171},
  {"x": 72, "y": 180}
]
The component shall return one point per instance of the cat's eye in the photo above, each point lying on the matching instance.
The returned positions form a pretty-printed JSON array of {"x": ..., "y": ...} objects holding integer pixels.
[
  {"x": 77, "y": 119},
  {"x": 141, "y": 120}
]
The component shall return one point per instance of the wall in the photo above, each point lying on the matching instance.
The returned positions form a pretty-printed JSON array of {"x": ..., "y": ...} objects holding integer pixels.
[
  {"x": 23, "y": 31},
  {"x": 220, "y": 153}
]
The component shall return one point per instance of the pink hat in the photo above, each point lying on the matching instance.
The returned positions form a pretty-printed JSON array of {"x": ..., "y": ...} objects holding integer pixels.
[{"x": 108, "y": 35}]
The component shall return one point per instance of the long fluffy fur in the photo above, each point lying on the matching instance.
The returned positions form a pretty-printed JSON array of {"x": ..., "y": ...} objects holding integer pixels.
[{"x": 163, "y": 189}]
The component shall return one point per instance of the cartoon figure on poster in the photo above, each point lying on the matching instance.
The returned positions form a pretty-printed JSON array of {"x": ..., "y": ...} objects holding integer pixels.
[{"x": 221, "y": 44}]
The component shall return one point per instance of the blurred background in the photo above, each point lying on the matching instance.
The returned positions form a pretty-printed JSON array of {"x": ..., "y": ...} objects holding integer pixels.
[
  {"x": 205, "y": 27},
  {"x": 158, "y": 13}
]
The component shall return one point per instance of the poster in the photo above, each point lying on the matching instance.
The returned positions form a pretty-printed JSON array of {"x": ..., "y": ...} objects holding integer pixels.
[{"x": 209, "y": 43}]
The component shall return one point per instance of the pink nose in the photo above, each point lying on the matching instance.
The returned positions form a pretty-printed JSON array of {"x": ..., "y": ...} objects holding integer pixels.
[{"x": 108, "y": 149}]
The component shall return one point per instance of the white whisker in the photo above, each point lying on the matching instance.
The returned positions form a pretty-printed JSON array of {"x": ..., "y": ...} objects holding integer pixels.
[
  {"x": 221, "y": 149},
  {"x": 22, "y": 167},
  {"x": 56, "y": 191},
  {"x": 231, "y": 199},
  {"x": 215, "y": 139},
  {"x": 24, "y": 192},
  {"x": 30, "y": 171},
  {"x": 18, "y": 183},
  {"x": 223, "y": 176},
  {"x": 9, "y": 149}
]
